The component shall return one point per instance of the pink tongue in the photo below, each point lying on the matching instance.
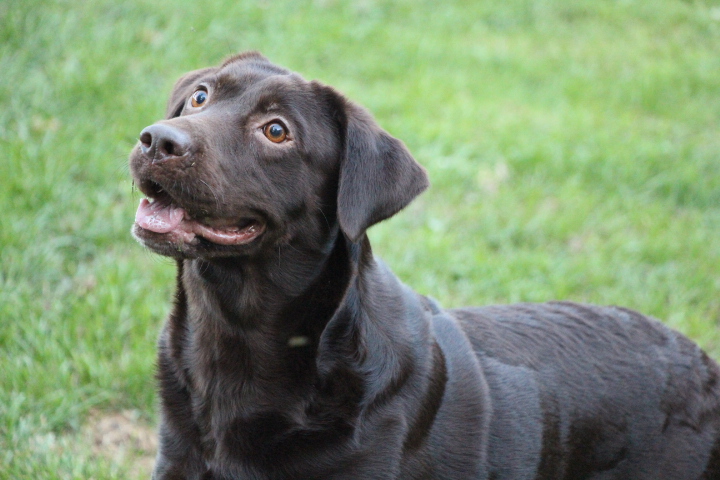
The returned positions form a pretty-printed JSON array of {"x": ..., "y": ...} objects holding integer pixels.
[{"x": 158, "y": 217}]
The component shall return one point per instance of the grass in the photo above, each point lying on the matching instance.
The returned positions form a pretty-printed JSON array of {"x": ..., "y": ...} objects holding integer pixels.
[{"x": 573, "y": 148}]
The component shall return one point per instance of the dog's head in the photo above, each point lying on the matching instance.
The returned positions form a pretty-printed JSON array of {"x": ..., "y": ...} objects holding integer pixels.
[{"x": 251, "y": 155}]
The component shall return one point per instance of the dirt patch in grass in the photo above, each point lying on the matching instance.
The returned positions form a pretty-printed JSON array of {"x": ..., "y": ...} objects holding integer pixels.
[{"x": 123, "y": 438}]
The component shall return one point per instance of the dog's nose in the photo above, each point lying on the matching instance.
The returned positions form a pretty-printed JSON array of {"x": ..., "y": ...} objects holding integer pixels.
[{"x": 162, "y": 142}]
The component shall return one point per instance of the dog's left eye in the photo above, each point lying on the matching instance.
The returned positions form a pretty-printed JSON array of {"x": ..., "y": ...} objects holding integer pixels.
[
  {"x": 275, "y": 132},
  {"x": 198, "y": 98}
]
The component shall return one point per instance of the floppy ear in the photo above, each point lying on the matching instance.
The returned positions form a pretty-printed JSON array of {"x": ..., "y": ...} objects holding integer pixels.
[
  {"x": 378, "y": 176},
  {"x": 183, "y": 88}
]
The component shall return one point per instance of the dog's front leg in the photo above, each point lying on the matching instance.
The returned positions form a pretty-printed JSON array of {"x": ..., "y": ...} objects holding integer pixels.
[
  {"x": 179, "y": 450},
  {"x": 178, "y": 458}
]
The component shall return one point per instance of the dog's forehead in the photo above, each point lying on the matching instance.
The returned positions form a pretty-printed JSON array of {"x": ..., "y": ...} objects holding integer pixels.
[
  {"x": 260, "y": 86},
  {"x": 245, "y": 72}
]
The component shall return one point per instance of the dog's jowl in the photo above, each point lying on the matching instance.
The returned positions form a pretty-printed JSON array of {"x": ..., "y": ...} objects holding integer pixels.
[{"x": 293, "y": 353}]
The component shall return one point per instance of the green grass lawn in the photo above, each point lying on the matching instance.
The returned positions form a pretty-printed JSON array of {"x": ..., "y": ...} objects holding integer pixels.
[{"x": 573, "y": 148}]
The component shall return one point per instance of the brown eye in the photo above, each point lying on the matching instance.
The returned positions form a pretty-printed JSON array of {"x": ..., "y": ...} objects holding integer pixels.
[
  {"x": 198, "y": 98},
  {"x": 275, "y": 132}
]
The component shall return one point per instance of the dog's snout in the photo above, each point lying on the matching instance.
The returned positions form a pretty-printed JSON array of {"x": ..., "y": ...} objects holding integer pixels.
[{"x": 162, "y": 142}]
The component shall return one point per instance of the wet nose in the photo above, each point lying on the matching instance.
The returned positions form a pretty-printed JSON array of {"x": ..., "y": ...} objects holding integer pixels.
[{"x": 161, "y": 142}]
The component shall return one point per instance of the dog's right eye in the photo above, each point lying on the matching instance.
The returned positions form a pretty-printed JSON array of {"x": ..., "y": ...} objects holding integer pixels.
[
  {"x": 198, "y": 98},
  {"x": 275, "y": 132}
]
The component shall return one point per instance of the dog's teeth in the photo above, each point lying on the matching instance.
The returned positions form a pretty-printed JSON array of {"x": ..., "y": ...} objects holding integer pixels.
[{"x": 151, "y": 200}]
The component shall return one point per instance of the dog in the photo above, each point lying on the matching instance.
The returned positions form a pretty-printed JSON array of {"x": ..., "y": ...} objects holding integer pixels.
[{"x": 291, "y": 352}]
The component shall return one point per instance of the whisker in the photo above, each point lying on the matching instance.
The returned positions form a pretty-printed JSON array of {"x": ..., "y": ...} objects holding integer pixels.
[{"x": 217, "y": 200}]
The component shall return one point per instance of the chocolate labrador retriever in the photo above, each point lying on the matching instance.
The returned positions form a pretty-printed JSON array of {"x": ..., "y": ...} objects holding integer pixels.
[{"x": 293, "y": 353}]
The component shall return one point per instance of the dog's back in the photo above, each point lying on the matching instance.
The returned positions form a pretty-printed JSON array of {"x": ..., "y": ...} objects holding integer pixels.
[{"x": 582, "y": 391}]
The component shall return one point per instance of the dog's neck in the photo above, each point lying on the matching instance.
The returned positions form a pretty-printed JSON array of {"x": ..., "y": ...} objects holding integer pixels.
[
  {"x": 289, "y": 288},
  {"x": 239, "y": 326},
  {"x": 262, "y": 318}
]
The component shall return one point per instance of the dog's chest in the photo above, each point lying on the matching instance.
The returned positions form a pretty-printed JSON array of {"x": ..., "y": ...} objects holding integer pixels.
[
  {"x": 216, "y": 397},
  {"x": 242, "y": 405}
]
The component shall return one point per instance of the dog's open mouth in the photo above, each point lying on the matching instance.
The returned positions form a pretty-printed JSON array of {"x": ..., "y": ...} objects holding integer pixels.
[{"x": 159, "y": 214}]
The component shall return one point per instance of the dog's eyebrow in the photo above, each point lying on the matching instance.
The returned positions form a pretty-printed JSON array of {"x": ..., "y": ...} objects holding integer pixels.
[
  {"x": 267, "y": 104},
  {"x": 227, "y": 83},
  {"x": 270, "y": 107}
]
